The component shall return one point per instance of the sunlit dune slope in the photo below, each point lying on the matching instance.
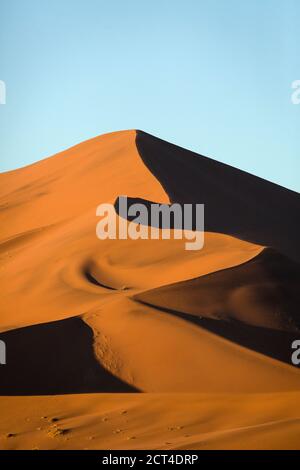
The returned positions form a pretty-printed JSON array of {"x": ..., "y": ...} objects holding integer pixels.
[
  {"x": 52, "y": 264},
  {"x": 81, "y": 315},
  {"x": 261, "y": 292},
  {"x": 155, "y": 351},
  {"x": 71, "y": 183},
  {"x": 151, "y": 421}
]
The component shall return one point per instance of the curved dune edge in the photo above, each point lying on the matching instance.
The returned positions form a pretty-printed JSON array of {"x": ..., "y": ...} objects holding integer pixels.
[
  {"x": 136, "y": 265},
  {"x": 236, "y": 202},
  {"x": 261, "y": 292},
  {"x": 54, "y": 268},
  {"x": 152, "y": 421},
  {"x": 65, "y": 272},
  {"x": 55, "y": 358},
  {"x": 52, "y": 235},
  {"x": 156, "y": 351}
]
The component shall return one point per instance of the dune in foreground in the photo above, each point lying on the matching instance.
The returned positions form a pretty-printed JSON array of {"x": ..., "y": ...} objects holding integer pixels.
[
  {"x": 152, "y": 421},
  {"x": 103, "y": 320}
]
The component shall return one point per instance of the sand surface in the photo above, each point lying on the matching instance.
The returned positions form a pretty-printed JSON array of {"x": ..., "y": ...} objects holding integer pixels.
[
  {"x": 152, "y": 421},
  {"x": 90, "y": 324}
]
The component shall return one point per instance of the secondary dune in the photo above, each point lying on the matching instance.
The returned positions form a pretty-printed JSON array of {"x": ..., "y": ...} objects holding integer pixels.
[
  {"x": 55, "y": 358},
  {"x": 254, "y": 304},
  {"x": 81, "y": 315}
]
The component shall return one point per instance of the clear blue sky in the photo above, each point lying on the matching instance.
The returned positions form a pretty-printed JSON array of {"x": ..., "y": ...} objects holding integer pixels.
[{"x": 213, "y": 76}]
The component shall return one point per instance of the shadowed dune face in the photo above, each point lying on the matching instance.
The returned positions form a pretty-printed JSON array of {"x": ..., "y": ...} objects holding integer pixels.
[
  {"x": 272, "y": 343},
  {"x": 168, "y": 353},
  {"x": 262, "y": 292},
  {"x": 124, "y": 315},
  {"x": 254, "y": 304},
  {"x": 55, "y": 358},
  {"x": 236, "y": 203}
]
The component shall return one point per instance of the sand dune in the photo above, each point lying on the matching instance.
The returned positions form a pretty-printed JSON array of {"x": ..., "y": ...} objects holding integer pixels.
[
  {"x": 237, "y": 203},
  {"x": 50, "y": 366},
  {"x": 152, "y": 421},
  {"x": 204, "y": 362},
  {"x": 98, "y": 318},
  {"x": 261, "y": 292},
  {"x": 254, "y": 304}
]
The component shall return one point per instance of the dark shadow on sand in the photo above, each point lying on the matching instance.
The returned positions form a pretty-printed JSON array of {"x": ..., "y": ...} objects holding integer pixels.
[
  {"x": 273, "y": 343},
  {"x": 54, "y": 358},
  {"x": 266, "y": 317},
  {"x": 236, "y": 202},
  {"x": 168, "y": 223}
]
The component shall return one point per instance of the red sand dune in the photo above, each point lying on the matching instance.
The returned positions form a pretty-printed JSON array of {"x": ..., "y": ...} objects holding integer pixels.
[{"x": 87, "y": 321}]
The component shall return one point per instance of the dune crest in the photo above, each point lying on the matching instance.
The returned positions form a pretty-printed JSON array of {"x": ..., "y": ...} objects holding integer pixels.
[{"x": 148, "y": 315}]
